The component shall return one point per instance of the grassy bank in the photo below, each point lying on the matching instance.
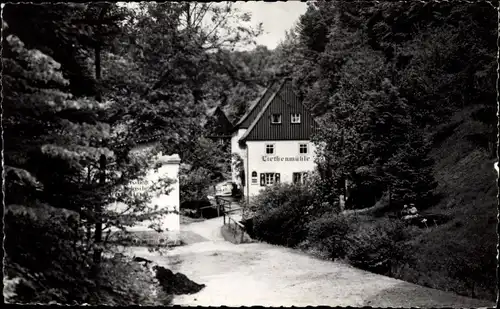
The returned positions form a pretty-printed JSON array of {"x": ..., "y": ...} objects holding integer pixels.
[{"x": 461, "y": 255}]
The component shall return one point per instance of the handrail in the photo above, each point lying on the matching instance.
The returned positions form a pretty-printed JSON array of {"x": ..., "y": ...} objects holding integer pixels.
[
  {"x": 236, "y": 226},
  {"x": 222, "y": 204},
  {"x": 237, "y": 223},
  {"x": 233, "y": 224}
]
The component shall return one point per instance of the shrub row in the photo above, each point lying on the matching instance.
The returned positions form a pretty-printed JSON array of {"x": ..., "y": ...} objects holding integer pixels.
[
  {"x": 286, "y": 215},
  {"x": 282, "y": 213}
]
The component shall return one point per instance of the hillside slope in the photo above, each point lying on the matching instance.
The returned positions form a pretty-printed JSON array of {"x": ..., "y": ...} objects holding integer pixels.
[{"x": 460, "y": 255}]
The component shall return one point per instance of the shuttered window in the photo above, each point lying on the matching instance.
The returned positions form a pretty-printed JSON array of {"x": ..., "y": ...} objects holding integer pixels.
[
  {"x": 299, "y": 177},
  {"x": 268, "y": 179}
]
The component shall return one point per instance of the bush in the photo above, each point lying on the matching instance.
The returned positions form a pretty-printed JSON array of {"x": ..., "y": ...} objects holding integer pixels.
[
  {"x": 280, "y": 226},
  {"x": 282, "y": 212},
  {"x": 193, "y": 184},
  {"x": 41, "y": 249},
  {"x": 374, "y": 245},
  {"x": 365, "y": 242},
  {"x": 327, "y": 233},
  {"x": 46, "y": 261}
]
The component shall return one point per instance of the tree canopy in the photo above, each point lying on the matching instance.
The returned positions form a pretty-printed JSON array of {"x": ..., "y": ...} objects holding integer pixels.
[{"x": 82, "y": 84}]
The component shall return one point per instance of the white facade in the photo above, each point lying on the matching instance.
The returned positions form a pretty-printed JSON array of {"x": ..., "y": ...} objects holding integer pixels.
[
  {"x": 238, "y": 149},
  {"x": 285, "y": 160},
  {"x": 170, "y": 222}
]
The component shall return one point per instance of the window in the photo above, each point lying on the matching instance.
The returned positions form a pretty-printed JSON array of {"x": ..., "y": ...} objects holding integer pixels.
[
  {"x": 295, "y": 118},
  {"x": 254, "y": 178},
  {"x": 270, "y": 149},
  {"x": 268, "y": 179},
  {"x": 299, "y": 177},
  {"x": 302, "y": 148},
  {"x": 276, "y": 118}
]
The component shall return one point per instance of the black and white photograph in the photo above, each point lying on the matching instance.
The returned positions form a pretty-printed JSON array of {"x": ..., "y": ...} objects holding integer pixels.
[{"x": 250, "y": 153}]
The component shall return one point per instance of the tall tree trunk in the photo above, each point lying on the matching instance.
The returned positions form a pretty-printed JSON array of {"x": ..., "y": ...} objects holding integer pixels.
[
  {"x": 98, "y": 227},
  {"x": 102, "y": 159}
]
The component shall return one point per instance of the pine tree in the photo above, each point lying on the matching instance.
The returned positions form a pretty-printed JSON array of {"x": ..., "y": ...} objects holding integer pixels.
[{"x": 53, "y": 144}]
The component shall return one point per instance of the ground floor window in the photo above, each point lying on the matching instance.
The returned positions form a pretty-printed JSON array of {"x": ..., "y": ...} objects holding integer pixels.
[
  {"x": 299, "y": 177},
  {"x": 268, "y": 179}
]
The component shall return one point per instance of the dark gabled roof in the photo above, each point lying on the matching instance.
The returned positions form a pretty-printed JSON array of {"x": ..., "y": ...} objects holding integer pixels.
[
  {"x": 283, "y": 101},
  {"x": 217, "y": 122},
  {"x": 262, "y": 110},
  {"x": 247, "y": 119}
]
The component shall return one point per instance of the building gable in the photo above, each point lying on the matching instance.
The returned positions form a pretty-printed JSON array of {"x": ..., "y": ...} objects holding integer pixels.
[
  {"x": 285, "y": 102},
  {"x": 254, "y": 110},
  {"x": 218, "y": 124}
]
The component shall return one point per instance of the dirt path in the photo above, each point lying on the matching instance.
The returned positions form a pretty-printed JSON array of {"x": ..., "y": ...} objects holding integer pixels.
[{"x": 262, "y": 274}]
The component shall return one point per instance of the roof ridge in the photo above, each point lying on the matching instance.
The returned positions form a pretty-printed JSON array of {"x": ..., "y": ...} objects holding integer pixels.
[
  {"x": 259, "y": 115},
  {"x": 252, "y": 108}
]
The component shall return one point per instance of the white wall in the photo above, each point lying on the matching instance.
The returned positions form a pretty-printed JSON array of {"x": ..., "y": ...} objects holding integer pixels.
[
  {"x": 279, "y": 162},
  {"x": 170, "y": 222},
  {"x": 236, "y": 148}
]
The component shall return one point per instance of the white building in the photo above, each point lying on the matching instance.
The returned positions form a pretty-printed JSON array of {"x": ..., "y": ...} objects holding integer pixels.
[
  {"x": 273, "y": 140},
  {"x": 167, "y": 167}
]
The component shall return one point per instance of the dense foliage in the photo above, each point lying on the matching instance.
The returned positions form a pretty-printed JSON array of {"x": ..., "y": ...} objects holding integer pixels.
[
  {"x": 405, "y": 96},
  {"x": 282, "y": 213},
  {"x": 378, "y": 76},
  {"x": 81, "y": 84}
]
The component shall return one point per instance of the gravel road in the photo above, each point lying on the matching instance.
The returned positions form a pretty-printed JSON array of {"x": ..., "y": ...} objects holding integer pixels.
[{"x": 262, "y": 274}]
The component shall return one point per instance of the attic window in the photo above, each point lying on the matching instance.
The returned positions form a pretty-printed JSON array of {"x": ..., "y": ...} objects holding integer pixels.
[
  {"x": 270, "y": 149},
  {"x": 276, "y": 118},
  {"x": 295, "y": 118}
]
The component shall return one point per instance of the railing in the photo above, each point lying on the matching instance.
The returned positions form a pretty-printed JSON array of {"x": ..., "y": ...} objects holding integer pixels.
[
  {"x": 224, "y": 205},
  {"x": 235, "y": 227},
  {"x": 220, "y": 206}
]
